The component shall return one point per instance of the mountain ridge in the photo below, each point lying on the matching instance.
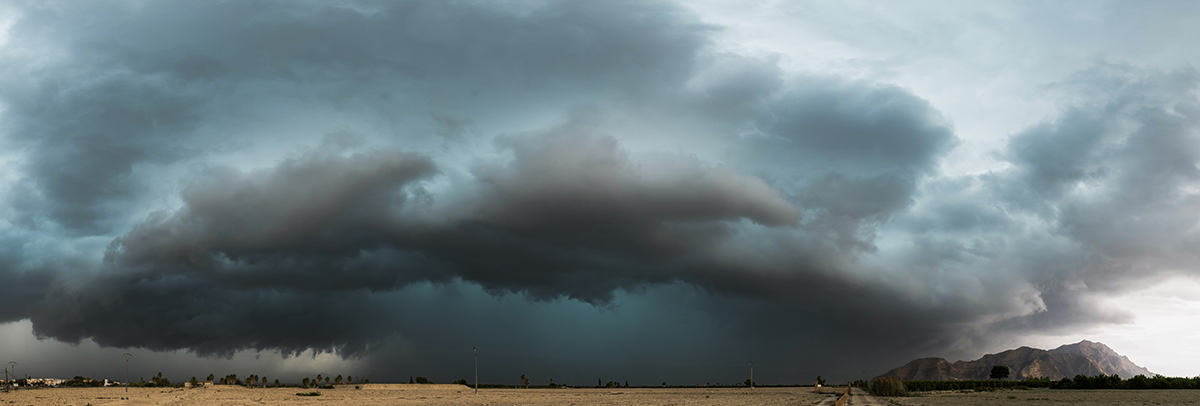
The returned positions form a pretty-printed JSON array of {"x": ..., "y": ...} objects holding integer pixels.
[{"x": 1085, "y": 357}]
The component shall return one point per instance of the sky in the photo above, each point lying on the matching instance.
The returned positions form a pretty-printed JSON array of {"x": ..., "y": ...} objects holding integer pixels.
[{"x": 636, "y": 191}]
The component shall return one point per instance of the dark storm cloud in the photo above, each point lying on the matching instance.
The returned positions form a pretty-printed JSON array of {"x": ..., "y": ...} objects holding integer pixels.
[
  {"x": 84, "y": 138},
  {"x": 316, "y": 204},
  {"x": 573, "y": 214},
  {"x": 822, "y": 215},
  {"x": 138, "y": 79},
  {"x": 852, "y": 153}
]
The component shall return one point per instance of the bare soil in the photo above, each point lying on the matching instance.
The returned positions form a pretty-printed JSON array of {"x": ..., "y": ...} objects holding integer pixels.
[
  {"x": 372, "y": 395},
  {"x": 1041, "y": 396},
  {"x": 411, "y": 395}
]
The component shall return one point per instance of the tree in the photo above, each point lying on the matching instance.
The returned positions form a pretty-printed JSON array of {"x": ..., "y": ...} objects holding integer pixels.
[
  {"x": 410, "y": 379},
  {"x": 525, "y": 381},
  {"x": 338, "y": 380},
  {"x": 327, "y": 380},
  {"x": 305, "y": 382},
  {"x": 999, "y": 372},
  {"x": 210, "y": 377},
  {"x": 349, "y": 379},
  {"x": 820, "y": 380},
  {"x": 276, "y": 383}
]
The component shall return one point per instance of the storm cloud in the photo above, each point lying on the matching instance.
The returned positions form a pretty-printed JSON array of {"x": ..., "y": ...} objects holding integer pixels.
[{"x": 283, "y": 176}]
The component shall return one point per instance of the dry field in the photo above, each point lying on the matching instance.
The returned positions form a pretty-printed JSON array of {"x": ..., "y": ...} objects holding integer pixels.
[
  {"x": 1035, "y": 397},
  {"x": 373, "y": 395},
  {"x": 411, "y": 395}
]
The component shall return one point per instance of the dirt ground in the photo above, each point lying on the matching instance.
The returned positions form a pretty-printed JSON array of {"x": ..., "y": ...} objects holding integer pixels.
[
  {"x": 1034, "y": 397},
  {"x": 462, "y": 395},
  {"x": 412, "y": 395}
]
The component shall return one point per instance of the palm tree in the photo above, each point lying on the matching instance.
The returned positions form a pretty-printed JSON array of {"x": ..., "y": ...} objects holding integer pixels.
[
  {"x": 276, "y": 383},
  {"x": 349, "y": 379},
  {"x": 327, "y": 380},
  {"x": 305, "y": 382},
  {"x": 338, "y": 380},
  {"x": 210, "y": 377}
]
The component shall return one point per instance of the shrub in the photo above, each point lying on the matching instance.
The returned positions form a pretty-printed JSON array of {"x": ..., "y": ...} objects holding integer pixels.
[
  {"x": 313, "y": 393},
  {"x": 888, "y": 386}
]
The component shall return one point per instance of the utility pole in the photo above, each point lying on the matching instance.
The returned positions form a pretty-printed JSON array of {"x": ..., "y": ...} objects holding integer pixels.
[
  {"x": 751, "y": 363},
  {"x": 476, "y": 350},
  {"x": 13, "y": 365},
  {"x": 127, "y": 357}
]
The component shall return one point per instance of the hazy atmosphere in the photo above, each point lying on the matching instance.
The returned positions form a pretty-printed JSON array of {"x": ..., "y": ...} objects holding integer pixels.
[{"x": 634, "y": 191}]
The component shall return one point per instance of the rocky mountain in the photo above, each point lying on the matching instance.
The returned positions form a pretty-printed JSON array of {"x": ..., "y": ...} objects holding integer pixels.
[{"x": 1085, "y": 357}]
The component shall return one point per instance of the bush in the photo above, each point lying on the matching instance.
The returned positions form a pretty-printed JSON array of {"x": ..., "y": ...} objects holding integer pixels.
[
  {"x": 314, "y": 393},
  {"x": 888, "y": 386},
  {"x": 461, "y": 382},
  {"x": 421, "y": 379}
]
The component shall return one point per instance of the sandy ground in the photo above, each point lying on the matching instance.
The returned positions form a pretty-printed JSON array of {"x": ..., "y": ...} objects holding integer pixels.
[
  {"x": 1034, "y": 397},
  {"x": 461, "y": 395},
  {"x": 415, "y": 395}
]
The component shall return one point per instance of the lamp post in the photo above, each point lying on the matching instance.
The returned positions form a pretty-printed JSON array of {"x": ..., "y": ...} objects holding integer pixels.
[
  {"x": 476, "y": 350},
  {"x": 751, "y": 363},
  {"x": 127, "y": 357}
]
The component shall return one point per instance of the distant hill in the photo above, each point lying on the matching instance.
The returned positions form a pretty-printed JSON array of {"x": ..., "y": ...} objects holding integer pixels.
[{"x": 1086, "y": 357}]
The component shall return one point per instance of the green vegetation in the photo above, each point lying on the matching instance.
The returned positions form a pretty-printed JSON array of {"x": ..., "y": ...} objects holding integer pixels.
[
  {"x": 978, "y": 386},
  {"x": 1137, "y": 382},
  {"x": 999, "y": 372},
  {"x": 461, "y": 382},
  {"x": 81, "y": 382},
  {"x": 888, "y": 386},
  {"x": 422, "y": 380},
  {"x": 313, "y": 393},
  {"x": 1078, "y": 382}
]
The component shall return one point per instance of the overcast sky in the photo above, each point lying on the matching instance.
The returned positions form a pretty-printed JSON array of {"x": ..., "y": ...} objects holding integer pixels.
[{"x": 628, "y": 191}]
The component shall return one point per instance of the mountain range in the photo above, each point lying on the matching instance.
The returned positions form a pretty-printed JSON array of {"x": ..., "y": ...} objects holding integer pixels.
[{"x": 1085, "y": 357}]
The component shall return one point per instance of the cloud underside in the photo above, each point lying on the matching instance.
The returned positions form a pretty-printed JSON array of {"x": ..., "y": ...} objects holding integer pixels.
[{"x": 522, "y": 150}]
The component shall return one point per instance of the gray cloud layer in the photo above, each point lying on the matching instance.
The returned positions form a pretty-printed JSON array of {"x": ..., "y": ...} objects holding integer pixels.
[{"x": 521, "y": 149}]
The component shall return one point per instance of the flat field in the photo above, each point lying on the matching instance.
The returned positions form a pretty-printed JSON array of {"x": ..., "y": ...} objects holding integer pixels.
[
  {"x": 372, "y": 395},
  {"x": 410, "y": 395},
  {"x": 1040, "y": 396}
]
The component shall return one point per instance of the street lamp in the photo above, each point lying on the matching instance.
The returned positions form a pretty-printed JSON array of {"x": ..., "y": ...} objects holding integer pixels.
[
  {"x": 751, "y": 363},
  {"x": 127, "y": 357},
  {"x": 476, "y": 350}
]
